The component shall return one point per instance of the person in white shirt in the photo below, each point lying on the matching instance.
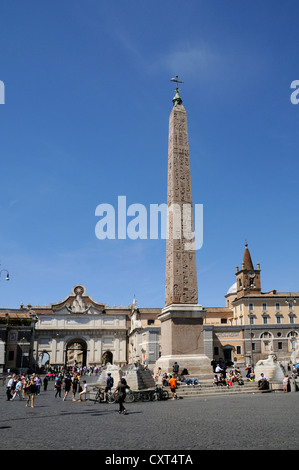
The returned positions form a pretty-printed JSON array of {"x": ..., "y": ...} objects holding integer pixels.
[
  {"x": 84, "y": 391},
  {"x": 263, "y": 381},
  {"x": 9, "y": 387}
]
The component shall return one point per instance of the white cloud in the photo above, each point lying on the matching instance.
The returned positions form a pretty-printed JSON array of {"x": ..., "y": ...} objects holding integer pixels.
[{"x": 192, "y": 61}]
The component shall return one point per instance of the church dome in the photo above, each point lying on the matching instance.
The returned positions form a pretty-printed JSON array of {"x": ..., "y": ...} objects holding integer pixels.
[{"x": 232, "y": 289}]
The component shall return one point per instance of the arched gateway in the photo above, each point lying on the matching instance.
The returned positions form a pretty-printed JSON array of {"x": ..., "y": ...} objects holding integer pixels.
[
  {"x": 79, "y": 330},
  {"x": 76, "y": 353}
]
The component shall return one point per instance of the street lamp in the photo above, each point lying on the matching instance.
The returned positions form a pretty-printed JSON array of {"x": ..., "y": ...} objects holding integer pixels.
[
  {"x": 22, "y": 353},
  {"x": 7, "y": 274},
  {"x": 290, "y": 301}
]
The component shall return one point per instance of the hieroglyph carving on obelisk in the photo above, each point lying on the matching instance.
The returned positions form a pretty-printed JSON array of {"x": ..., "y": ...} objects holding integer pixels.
[{"x": 181, "y": 276}]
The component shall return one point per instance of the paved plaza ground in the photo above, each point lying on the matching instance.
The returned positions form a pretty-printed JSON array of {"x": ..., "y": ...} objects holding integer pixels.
[{"x": 267, "y": 421}]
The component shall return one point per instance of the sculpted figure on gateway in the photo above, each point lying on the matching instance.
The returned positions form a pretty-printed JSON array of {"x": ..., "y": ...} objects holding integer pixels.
[{"x": 78, "y": 305}]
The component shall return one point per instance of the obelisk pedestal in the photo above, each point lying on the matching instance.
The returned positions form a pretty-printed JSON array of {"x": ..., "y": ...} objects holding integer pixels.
[
  {"x": 182, "y": 340},
  {"x": 182, "y": 336}
]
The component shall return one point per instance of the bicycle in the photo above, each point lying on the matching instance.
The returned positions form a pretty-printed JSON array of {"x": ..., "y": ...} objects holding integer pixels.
[
  {"x": 100, "y": 398},
  {"x": 110, "y": 397},
  {"x": 130, "y": 397},
  {"x": 142, "y": 396},
  {"x": 159, "y": 394}
]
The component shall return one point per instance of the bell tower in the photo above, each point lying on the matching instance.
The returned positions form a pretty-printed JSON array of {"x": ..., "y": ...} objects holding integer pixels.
[{"x": 248, "y": 278}]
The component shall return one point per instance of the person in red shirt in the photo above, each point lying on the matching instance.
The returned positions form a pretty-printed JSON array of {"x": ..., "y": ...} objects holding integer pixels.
[{"x": 173, "y": 385}]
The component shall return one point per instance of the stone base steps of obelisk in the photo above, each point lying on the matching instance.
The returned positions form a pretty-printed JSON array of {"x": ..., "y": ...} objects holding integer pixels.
[{"x": 208, "y": 389}]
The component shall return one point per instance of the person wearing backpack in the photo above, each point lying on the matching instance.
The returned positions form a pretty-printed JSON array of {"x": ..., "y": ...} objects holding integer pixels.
[{"x": 109, "y": 385}]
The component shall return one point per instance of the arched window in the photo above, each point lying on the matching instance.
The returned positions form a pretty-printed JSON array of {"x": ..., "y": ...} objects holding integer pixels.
[
  {"x": 292, "y": 341},
  {"x": 266, "y": 342}
]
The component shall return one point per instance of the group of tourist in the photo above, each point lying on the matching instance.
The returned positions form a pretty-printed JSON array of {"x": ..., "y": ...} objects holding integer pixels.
[
  {"x": 86, "y": 370},
  {"x": 182, "y": 377},
  {"x": 26, "y": 386},
  {"x": 23, "y": 387}
]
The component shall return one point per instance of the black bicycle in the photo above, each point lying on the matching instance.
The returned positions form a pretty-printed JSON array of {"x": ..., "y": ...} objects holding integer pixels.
[
  {"x": 130, "y": 397},
  {"x": 159, "y": 394},
  {"x": 100, "y": 398},
  {"x": 142, "y": 396}
]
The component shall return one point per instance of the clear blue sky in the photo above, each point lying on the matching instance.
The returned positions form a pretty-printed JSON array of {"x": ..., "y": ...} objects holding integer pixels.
[{"x": 85, "y": 119}]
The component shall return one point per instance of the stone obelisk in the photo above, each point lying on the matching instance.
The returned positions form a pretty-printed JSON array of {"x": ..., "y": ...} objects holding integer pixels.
[{"x": 182, "y": 337}]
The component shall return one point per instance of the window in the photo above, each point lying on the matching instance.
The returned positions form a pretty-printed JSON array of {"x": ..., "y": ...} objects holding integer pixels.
[
  {"x": 277, "y": 307},
  {"x": 150, "y": 322},
  {"x": 292, "y": 318},
  {"x": 250, "y": 307},
  {"x": 11, "y": 355},
  {"x": 241, "y": 308},
  {"x": 266, "y": 345},
  {"x": 265, "y": 320},
  {"x": 278, "y": 319},
  {"x": 279, "y": 345},
  {"x": 292, "y": 340},
  {"x": 264, "y": 307},
  {"x": 239, "y": 350},
  {"x": 216, "y": 351},
  {"x": 251, "y": 320}
]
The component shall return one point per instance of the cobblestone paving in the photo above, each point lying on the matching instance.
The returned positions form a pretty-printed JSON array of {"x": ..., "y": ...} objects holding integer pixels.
[{"x": 247, "y": 422}]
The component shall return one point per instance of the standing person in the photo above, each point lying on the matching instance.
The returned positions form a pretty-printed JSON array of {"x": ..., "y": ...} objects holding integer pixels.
[
  {"x": 9, "y": 388},
  {"x": 58, "y": 387},
  {"x": 45, "y": 383},
  {"x": 30, "y": 390},
  {"x": 84, "y": 391},
  {"x": 173, "y": 386},
  {"x": 23, "y": 379},
  {"x": 175, "y": 369},
  {"x": 18, "y": 389},
  {"x": 67, "y": 386},
  {"x": 158, "y": 375},
  {"x": 285, "y": 383},
  {"x": 75, "y": 382},
  {"x": 38, "y": 382},
  {"x": 109, "y": 385},
  {"x": 121, "y": 391}
]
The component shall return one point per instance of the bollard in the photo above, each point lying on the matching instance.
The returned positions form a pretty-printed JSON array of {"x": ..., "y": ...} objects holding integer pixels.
[{"x": 293, "y": 385}]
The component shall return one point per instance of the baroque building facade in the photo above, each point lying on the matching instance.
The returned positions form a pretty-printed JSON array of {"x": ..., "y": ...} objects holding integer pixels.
[{"x": 253, "y": 323}]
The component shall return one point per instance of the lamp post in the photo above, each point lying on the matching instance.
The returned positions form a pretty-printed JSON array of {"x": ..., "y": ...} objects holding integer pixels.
[
  {"x": 22, "y": 352},
  {"x": 7, "y": 274},
  {"x": 290, "y": 301}
]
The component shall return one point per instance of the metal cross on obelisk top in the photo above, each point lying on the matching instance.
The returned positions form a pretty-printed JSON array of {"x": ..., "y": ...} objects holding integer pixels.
[
  {"x": 177, "y": 99},
  {"x": 176, "y": 79}
]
